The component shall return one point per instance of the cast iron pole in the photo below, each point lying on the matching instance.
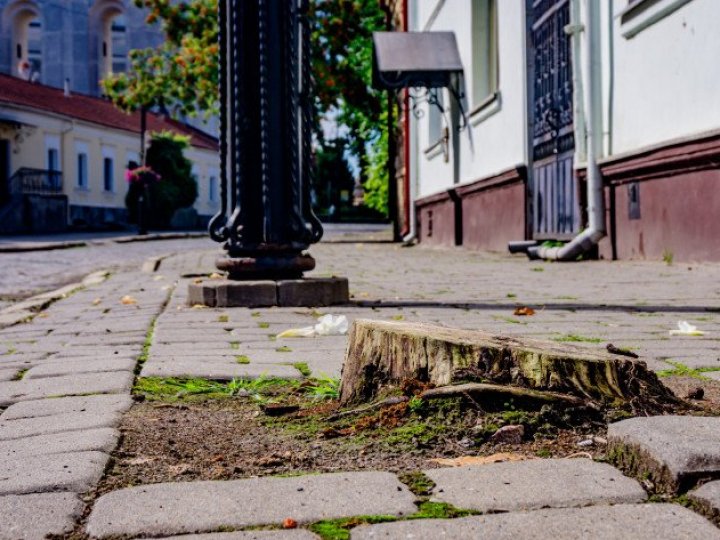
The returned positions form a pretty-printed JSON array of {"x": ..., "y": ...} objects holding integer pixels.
[{"x": 265, "y": 220}]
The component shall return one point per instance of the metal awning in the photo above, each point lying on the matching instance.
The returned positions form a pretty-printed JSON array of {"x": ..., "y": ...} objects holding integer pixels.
[{"x": 414, "y": 59}]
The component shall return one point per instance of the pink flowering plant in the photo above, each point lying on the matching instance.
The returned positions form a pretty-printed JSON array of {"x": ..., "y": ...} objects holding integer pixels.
[{"x": 142, "y": 176}]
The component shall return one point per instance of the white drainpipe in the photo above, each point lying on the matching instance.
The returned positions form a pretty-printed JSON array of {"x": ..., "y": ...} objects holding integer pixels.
[
  {"x": 596, "y": 230},
  {"x": 412, "y": 174}
]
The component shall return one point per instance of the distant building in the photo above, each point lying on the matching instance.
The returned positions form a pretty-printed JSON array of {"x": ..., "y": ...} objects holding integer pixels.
[
  {"x": 63, "y": 158},
  {"x": 73, "y": 41},
  {"x": 517, "y": 170}
]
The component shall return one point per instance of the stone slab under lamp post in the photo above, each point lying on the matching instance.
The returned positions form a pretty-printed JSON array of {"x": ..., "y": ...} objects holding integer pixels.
[{"x": 265, "y": 221}]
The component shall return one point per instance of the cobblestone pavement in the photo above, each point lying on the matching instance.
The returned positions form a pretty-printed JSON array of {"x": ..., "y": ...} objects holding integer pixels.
[
  {"x": 28, "y": 273},
  {"x": 82, "y": 352}
]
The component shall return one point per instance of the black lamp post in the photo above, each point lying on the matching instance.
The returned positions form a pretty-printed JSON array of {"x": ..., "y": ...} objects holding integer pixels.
[{"x": 265, "y": 219}]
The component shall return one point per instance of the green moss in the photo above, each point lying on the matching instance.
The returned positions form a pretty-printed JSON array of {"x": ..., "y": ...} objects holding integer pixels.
[
  {"x": 223, "y": 318},
  {"x": 511, "y": 295},
  {"x": 235, "y": 345},
  {"x": 510, "y": 320},
  {"x": 303, "y": 368},
  {"x": 537, "y": 269},
  {"x": 577, "y": 339},
  {"x": 543, "y": 453},
  {"x": 398, "y": 317},
  {"x": 255, "y": 314},
  {"x": 284, "y": 348},
  {"x": 174, "y": 389},
  {"x": 418, "y": 482},
  {"x": 242, "y": 359},
  {"x": 435, "y": 510},
  {"x": 681, "y": 370},
  {"x": 339, "y": 529},
  {"x": 20, "y": 374},
  {"x": 145, "y": 353},
  {"x": 263, "y": 325}
]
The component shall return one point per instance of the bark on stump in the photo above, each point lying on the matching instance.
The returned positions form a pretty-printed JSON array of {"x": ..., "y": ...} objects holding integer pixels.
[{"x": 382, "y": 354}]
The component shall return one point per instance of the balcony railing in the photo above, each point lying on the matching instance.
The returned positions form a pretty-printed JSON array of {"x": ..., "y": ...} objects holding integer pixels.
[{"x": 36, "y": 181}]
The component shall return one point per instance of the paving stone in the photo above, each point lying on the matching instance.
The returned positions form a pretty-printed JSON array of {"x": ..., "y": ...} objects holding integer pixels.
[
  {"x": 217, "y": 371},
  {"x": 206, "y": 506},
  {"x": 76, "y": 472},
  {"x": 46, "y": 425},
  {"x": 101, "y": 440},
  {"x": 713, "y": 375},
  {"x": 537, "y": 483},
  {"x": 8, "y": 374},
  {"x": 619, "y": 522},
  {"x": 313, "y": 292},
  {"x": 91, "y": 383},
  {"x": 673, "y": 451},
  {"x": 69, "y": 367},
  {"x": 291, "y": 534},
  {"x": 707, "y": 500},
  {"x": 33, "y": 517},
  {"x": 100, "y": 404}
]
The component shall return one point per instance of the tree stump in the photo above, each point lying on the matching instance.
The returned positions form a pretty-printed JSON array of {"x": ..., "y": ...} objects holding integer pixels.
[{"x": 382, "y": 354}]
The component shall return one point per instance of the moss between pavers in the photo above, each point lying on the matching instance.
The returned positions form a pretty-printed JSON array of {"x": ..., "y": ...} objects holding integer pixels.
[{"x": 681, "y": 370}]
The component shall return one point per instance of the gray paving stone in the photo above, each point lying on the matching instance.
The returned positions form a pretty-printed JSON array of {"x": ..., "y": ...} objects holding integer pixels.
[
  {"x": 217, "y": 371},
  {"x": 90, "y": 383},
  {"x": 619, "y": 522},
  {"x": 713, "y": 375},
  {"x": 33, "y": 517},
  {"x": 8, "y": 374},
  {"x": 673, "y": 450},
  {"x": 76, "y": 472},
  {"x": 206, "y": 506},
  {"x": 70, "y": 367},
  {"x": 46, "y": 425},
  {"x": 537, "y": 483},
  {"x": 100, "y": 404},
  {"x": 291, "y": 534},
  {"x": 707, "y": 499},
  {"x": 100, "y": 439}
]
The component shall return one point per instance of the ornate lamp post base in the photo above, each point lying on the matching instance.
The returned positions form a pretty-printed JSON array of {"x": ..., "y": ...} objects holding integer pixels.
[{"x": 275, "y": 263}]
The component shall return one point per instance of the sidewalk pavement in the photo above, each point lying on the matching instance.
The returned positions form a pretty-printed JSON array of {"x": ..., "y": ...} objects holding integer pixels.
[{"x": 68, "y": 374}]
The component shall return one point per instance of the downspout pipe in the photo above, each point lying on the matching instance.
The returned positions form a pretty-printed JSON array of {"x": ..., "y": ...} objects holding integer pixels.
[{"x": 596, "y": 229}]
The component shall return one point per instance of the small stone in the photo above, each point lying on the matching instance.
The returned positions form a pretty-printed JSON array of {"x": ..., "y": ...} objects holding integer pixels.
[
  {"x": 511, "y": 434},
  {"x": 696, "y": 393},
  {"x": 586, "y": 442}
]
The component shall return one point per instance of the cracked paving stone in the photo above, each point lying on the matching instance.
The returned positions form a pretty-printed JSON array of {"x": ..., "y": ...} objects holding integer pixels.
[
  {"x": 216, "y": 370},
  {"x": 187, "y": 507},
  {"x": 619, "y": 522},
  {"x": 99, "y": 404},
  {"x": 47, "y": 425},
  {"x": 292, "y": 534},
  {"x": 76, "y": 472},
  {"x": 88, "y": 383},
  {"x": 672, "y": 450},
  {"x": 33, "y": 517},
  {"x": 536, "y": 483},
  {"x": 101, "y": 439},
  {"x": 58, "y": 368}
]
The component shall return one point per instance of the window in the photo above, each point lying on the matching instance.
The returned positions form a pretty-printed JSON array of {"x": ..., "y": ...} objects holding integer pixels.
[
  {"x": 640, "y": 14},
  {"x": 82, "y": 171},
  {"x": 212, "y": 189},
  {"x": 53, "y": 166},
  {"x": 484, "y": 52},
  {"x": 108, "y": 176}
]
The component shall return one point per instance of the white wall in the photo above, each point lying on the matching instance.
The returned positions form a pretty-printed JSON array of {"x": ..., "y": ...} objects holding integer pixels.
[
  {"x": 497, "y": 132},
  {"x": 666, "y": 78}
]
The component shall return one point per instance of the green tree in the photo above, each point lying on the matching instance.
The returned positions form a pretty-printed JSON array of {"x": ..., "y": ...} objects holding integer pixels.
[
  {"x": 176, "y": 188},
  {"x": 182, "y": 73}
]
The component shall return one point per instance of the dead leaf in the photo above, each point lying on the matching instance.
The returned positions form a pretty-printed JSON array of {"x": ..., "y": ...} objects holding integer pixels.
[
  {"x": 198, "y": 306},
  {"x": 197, "y": 281},
  {"x": 215, "y": 275},
  {"x": 42, "y": 315},
  {"x": 289, "y": 523},
  {"x": 128, "y": 300},
  {"x": 479, "y": 460},
  {"x": 96, "y": 301},
  {"x": 524, "y": 311}
]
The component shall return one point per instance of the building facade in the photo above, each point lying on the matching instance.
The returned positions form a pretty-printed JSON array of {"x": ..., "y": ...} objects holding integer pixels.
[
  {"x": 63, "y": 158},
  {"x": 533, "y": 83},
  {"x": 73, "y": 42}
]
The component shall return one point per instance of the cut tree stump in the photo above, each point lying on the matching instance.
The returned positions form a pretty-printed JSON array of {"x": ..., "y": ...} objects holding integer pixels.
[{"x": 382, "y": 354}]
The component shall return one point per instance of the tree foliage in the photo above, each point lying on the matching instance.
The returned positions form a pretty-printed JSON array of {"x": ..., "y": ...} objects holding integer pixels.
[
  {"x": 176, "y": 188},
  {"x": 182, "y": 73}
]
